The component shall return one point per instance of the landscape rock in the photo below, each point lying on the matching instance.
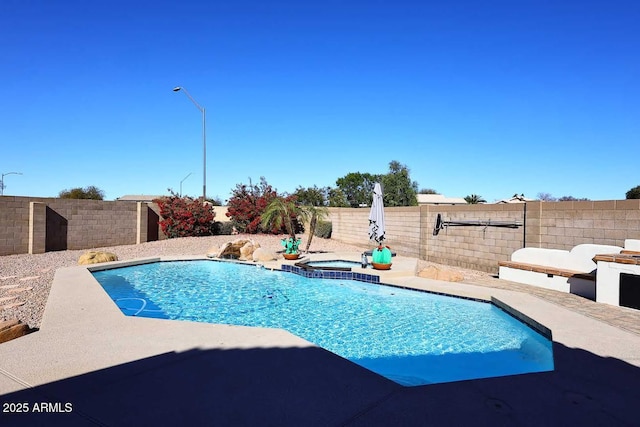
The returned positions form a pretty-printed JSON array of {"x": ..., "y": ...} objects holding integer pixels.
[
  {"x": 213, "y": 251},
  {"x": 435, "y": 273},
  {"x": 246, "y": 252},
  {"x": 241, "y": 249},
  {"x": 95, "y": 257},
  {"x": 262, "y": 255}
]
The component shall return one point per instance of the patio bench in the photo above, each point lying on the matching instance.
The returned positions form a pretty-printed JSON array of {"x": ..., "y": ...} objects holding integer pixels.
[{"x": 566, "y": 271}]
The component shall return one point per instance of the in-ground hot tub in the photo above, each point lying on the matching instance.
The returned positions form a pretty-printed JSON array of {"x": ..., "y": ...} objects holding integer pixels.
[{"x": 331, "y": 265}]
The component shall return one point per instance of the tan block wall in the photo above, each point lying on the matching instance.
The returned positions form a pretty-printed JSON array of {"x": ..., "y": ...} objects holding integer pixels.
[
  {"x": 563, "y": 225},
  {"x": 351, "y": 226},
  {"x": 37, "y": 227},
  {"x": 556, "y": 225},
  {"x": 14, "y": 225},
  {"x": 472, "y": 246},
  {"x": 89, "y": 223},
  {"x": 553, "y": 225},
  {"x": 96, "y": 223}
]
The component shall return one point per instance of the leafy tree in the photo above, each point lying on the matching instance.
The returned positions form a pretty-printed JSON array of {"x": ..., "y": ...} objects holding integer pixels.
[
  {"x": 427, "y": 191},
  {"x": 215, "y": 201},
  {"x": 312, "y": 196},
  {"x": 357, "y": 187},
  {"x": 572, "y": 199},
  {"x": 337, "y": 198},
  {"x": 398, "y": 189},
  {"x": 90, "y": 192},
  {"x": 247, "y": 205},
  {"x": 634, "y": 193},
  {"x": 474, "y": 199},
  {"x": 185, "y": 216},
  {"x": 546, "y": 197}
]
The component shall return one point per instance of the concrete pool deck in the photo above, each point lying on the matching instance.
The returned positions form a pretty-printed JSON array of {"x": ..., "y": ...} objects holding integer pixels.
[{"x": 94, "y": 366}]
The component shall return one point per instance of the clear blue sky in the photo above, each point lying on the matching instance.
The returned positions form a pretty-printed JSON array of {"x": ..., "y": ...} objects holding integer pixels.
[{"x": 485, "y": 97}]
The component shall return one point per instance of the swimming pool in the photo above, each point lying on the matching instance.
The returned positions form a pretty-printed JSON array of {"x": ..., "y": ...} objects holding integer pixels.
[{"x": 410, "y": 337}]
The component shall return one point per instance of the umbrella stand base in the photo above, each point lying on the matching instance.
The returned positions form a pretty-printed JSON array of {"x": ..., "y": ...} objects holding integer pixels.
[{"x": 381, "y": 266}]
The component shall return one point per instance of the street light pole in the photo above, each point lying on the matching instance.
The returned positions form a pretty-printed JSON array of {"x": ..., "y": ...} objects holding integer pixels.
[
  {"x": 183, "y": 181},
  {"x": 204, "y": 140},
  {"x": 2, "y": 180}
]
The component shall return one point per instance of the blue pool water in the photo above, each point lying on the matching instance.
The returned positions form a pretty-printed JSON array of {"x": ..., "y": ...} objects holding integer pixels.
[{"x": 410, "y": 337}]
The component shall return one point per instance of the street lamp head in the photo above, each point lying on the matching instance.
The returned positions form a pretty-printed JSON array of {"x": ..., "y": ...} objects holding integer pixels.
[{"x": 177, "y": 88}]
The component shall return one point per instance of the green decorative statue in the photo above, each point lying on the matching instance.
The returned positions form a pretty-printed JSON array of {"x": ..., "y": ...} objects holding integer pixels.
[{"x": 291, "y": 245}]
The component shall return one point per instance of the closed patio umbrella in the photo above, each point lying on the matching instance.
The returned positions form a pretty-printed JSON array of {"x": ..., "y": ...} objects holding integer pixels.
[
  {"x": 376, "y": 216},
  {"x": 381, "y": 257}
]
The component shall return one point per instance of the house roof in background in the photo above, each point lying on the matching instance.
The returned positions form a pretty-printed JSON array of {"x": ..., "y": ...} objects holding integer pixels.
[
  {"x": 516, "y": 199},
  {"x": 439, "y": 199}
]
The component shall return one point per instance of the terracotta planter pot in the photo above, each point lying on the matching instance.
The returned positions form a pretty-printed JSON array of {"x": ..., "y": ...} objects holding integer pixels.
[
  {"x": 381, "y": 266},
  {"x": 291, "y": 256}
]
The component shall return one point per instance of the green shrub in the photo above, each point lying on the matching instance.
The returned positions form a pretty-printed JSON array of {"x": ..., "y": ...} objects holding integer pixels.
[
  {"x": 323, "y": 229},
  {"x": 223, "y": 228}
]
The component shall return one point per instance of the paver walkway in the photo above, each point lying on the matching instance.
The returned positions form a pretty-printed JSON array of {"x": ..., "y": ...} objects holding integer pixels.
[{"x": 620, "y": 317}]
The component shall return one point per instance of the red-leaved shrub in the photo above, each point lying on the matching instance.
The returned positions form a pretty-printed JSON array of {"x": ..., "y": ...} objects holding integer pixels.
[
  {"x": 185, "y": 216},
  {"x": 247, "y": 204}
]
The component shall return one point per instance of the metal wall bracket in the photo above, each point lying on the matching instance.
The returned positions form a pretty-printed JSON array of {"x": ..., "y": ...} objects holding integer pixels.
[{"x": 441, "y": 224}]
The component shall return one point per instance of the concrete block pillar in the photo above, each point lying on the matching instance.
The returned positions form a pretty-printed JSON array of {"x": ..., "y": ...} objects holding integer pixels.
[
  {"x": 37, "y": 227},
  {"x": 142, "y": 223}
]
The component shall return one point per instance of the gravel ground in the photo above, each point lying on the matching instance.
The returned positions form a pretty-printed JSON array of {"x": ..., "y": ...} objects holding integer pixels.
[{"x": 25, "y": 280}]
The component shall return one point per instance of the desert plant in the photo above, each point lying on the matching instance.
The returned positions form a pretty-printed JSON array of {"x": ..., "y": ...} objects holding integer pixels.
[
  {"x": 185, "y": 216},
  {"x": 315, "y": 214},
  {"x": 223, "y": 228},
  {"x": 323, "y": 229},
  {"x": 285, "y": 212}
]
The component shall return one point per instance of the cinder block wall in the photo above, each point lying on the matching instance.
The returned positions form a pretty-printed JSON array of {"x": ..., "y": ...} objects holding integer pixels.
[
  {"x": 96, "y": 223},
  {"x": 472, "y": 246},
  {"x": 402, "y": 228},
  {"x": 554, "y": 225},
  {"x": 563, "y": 225},
  {"x": 14, "y": 225},
  {"x": 89, "y": 223}
]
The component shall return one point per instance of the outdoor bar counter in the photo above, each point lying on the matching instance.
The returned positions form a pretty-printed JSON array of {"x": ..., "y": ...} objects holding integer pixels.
[{"x": 618, "y": 279}]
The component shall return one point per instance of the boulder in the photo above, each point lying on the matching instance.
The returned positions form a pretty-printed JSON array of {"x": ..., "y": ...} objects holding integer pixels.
[
  {"x": 246, "y": 251},
  {"x": 10, "y": 329},
  {"x": 213, "y": 252},
  {"x": 262, "y": 255},
  {"x": 435, "y": 273},
  {"x": 238, "y": 249},
  {"x": 95, "y": 257}
]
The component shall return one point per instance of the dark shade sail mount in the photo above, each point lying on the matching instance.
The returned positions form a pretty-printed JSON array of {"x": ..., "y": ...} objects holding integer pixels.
[{"x": 441, "y": 224}]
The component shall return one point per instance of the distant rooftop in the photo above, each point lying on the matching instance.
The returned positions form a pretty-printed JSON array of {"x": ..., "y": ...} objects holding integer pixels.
[
  {"x": 515, "y": 199},
  {"x": 439, "y": 199}
]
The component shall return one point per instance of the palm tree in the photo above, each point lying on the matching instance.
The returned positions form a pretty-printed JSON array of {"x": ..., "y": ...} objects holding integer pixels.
[
  {"x": 315, "y": 214},
  {"x": 284, "y": 210},
  {"x": 474, "y": 199}
]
